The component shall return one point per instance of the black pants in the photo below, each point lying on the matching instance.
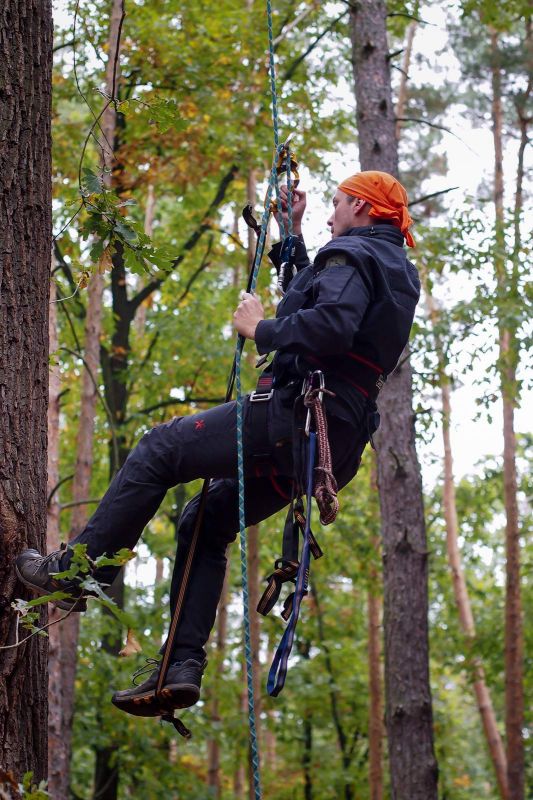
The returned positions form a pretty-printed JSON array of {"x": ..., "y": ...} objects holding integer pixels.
[{"x": 204, "y": 446}]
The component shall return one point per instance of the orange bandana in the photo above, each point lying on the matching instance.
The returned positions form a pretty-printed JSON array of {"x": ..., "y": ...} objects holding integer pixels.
[{"x": 386, "y": 195}]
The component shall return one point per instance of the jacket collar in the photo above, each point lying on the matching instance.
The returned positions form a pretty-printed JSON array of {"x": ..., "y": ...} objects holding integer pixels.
[{"x": 388, "y": 233}]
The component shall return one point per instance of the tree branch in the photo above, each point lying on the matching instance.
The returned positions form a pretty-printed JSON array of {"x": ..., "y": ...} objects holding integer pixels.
[
  {"x": 287, "y": 75},
  {"x": 56, "y": 487},
  {"x": 74, "y": 503},
  {"x": 175, "y": 401},
  {"x": 433, "y": 194},
  {"x": 204, "y": 225},
  {"x": 62, "y": 45},
  {"x": 288, "y": 27}
]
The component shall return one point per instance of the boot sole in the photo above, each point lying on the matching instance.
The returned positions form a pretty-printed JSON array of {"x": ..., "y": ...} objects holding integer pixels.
[
  {"x": 79, "y": 605},
  {"x": 172, "y": 696}
]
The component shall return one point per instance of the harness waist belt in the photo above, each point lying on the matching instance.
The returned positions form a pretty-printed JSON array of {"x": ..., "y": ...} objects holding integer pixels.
[{"x": 352, "y": 369}]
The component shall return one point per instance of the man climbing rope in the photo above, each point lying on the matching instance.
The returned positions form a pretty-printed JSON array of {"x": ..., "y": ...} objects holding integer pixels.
[{"x": 348, "y": 315}]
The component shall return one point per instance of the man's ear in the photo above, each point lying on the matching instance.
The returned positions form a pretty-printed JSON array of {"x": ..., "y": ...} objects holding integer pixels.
[{"x": 358, "y": 205}]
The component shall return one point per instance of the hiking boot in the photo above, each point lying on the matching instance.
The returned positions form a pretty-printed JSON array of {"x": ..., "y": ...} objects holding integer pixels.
[
  {"x": 181, "y": 689},
  {"x": 37, "y": 572}
]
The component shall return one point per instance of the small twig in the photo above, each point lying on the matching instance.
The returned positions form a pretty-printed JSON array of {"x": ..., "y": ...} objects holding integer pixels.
[
  {"x": 410, "y": 16},
  {"x": 433, "y": 194},
  {"x": 39, "y": 630},
  {"x": 56, "y": 487},
  {"x": 437, "y": 127},
  {"x": 74, "y": 503},
  {"x": 65, "y": 226},
  {"x": 62, "y": 45},
  {"x": 290, "y": 25},
  {"x": 295, "y": 64},
  {"x": 174, "y": 401}
]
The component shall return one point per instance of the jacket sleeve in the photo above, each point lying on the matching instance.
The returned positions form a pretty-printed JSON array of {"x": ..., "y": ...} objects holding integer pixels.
[
  {"x": 342, "y": 293},
  {"x": 301, "y": 259}
]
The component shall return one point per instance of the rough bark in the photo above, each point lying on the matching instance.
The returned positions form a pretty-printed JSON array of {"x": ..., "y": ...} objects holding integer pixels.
[
  {"x": 462, "y": 599},
  {"x": 25, "y": 249},
  {"x": 514, "y": 635},
  {"x": 375, "y": 679},
  {"x": 413, "y": 765}
]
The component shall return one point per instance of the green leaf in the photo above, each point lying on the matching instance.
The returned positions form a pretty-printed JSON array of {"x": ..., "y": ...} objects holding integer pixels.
[
  {"x": 91, "y": 182},
  {"x": 120, "y": 558}
]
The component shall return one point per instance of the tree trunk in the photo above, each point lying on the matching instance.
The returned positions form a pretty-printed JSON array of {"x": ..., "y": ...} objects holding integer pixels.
[
  {"x": 213, "y": 744},
  {"x": 149, "y": 215},
  {"x": 514, "y": 636},
  {"x": 375, "y": 679},
  {"x": 25, "y": 223},
  {"x": 57, "y": 756},
  {"x": 342, "y": 739},
  {"x": 106, "y": 779},
  {"x": 462, "y": 599},
  {"x": 402, "y": 89},
  {"x": 304, "y": 649},
  {"x": 253, "y": 595},
  {"x": 413, "y": 766}
]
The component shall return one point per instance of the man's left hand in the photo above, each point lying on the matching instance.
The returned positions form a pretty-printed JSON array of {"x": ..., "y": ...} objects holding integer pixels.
[{"x": 248, "y": 314}]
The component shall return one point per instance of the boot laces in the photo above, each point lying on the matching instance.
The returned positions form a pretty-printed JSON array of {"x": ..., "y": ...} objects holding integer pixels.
[{"x": 151, "y": 665}]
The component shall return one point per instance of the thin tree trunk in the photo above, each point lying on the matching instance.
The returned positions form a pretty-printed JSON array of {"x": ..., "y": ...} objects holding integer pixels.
[
  {"x": 26, "y": 230},
  {"x": 239, "y": 775},
  {"x": 342, "y": 739},
  {"x": 304, "y": 649},
  {"x": 253, "y": 595},
  {"x": 402, "y": 89},
  {"x": 375, "y": 678},
  {"x": 57, "y": 755},
  {"x": 213, "y": 744},
  {"x": 149, "y": 215},
  {"x": 514, "y": 636},
  {"x": 413, "y": 765},
  {"x": 269, "y": 731},
  {"x": 106, "y": 776},
  {"x": 462, "y": 599}
]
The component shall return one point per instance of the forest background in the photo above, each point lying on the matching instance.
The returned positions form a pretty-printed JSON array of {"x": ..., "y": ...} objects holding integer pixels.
[{"x": 161, "y": 133}]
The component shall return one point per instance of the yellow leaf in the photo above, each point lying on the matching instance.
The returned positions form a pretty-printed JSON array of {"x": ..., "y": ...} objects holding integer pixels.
[
  {"x": 105, "y": 264},
  {"x": 84, "y": 279},
  {"x": 131, "y": 647}
]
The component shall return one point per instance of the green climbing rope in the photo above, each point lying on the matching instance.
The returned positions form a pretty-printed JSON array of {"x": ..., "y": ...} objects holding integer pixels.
[{"x": 273, "y": 186}]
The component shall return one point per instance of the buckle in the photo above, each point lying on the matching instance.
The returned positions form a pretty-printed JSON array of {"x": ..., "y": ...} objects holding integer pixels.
[{"x": 260, "y": 397}]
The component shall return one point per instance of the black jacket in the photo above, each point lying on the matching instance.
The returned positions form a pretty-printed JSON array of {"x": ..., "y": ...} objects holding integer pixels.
[{"x": 349, "y": 313}]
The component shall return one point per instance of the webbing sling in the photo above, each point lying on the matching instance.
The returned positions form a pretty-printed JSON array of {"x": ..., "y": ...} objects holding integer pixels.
[{"x": 278, "y": 670}]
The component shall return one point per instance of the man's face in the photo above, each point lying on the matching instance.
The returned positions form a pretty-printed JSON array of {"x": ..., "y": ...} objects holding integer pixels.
[{"x": 343, "y": 217}]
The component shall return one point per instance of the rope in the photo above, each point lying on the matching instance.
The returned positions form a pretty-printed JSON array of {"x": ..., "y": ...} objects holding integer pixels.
[
  {"x": 325, "y": 488},
  {"x": 273, "y": 185}
]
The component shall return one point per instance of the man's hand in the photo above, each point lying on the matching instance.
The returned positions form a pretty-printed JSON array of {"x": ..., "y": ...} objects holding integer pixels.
[
  {"x": 248, "y": 314},
  {"x": 298, "y": 207}
]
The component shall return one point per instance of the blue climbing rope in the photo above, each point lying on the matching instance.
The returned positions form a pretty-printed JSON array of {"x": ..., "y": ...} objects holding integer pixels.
[{"x": 273, "y": 187}]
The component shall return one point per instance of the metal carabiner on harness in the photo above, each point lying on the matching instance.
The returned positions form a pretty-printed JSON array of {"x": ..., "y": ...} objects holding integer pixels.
[{"x": 309, "y": 385}]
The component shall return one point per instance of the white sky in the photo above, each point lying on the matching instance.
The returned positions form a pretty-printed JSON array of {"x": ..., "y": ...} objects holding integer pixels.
[{"x": 470, "y": 159}]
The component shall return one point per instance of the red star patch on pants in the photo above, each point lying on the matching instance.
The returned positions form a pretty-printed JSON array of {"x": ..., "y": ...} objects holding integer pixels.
[{"x": 199, "y": 424}]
